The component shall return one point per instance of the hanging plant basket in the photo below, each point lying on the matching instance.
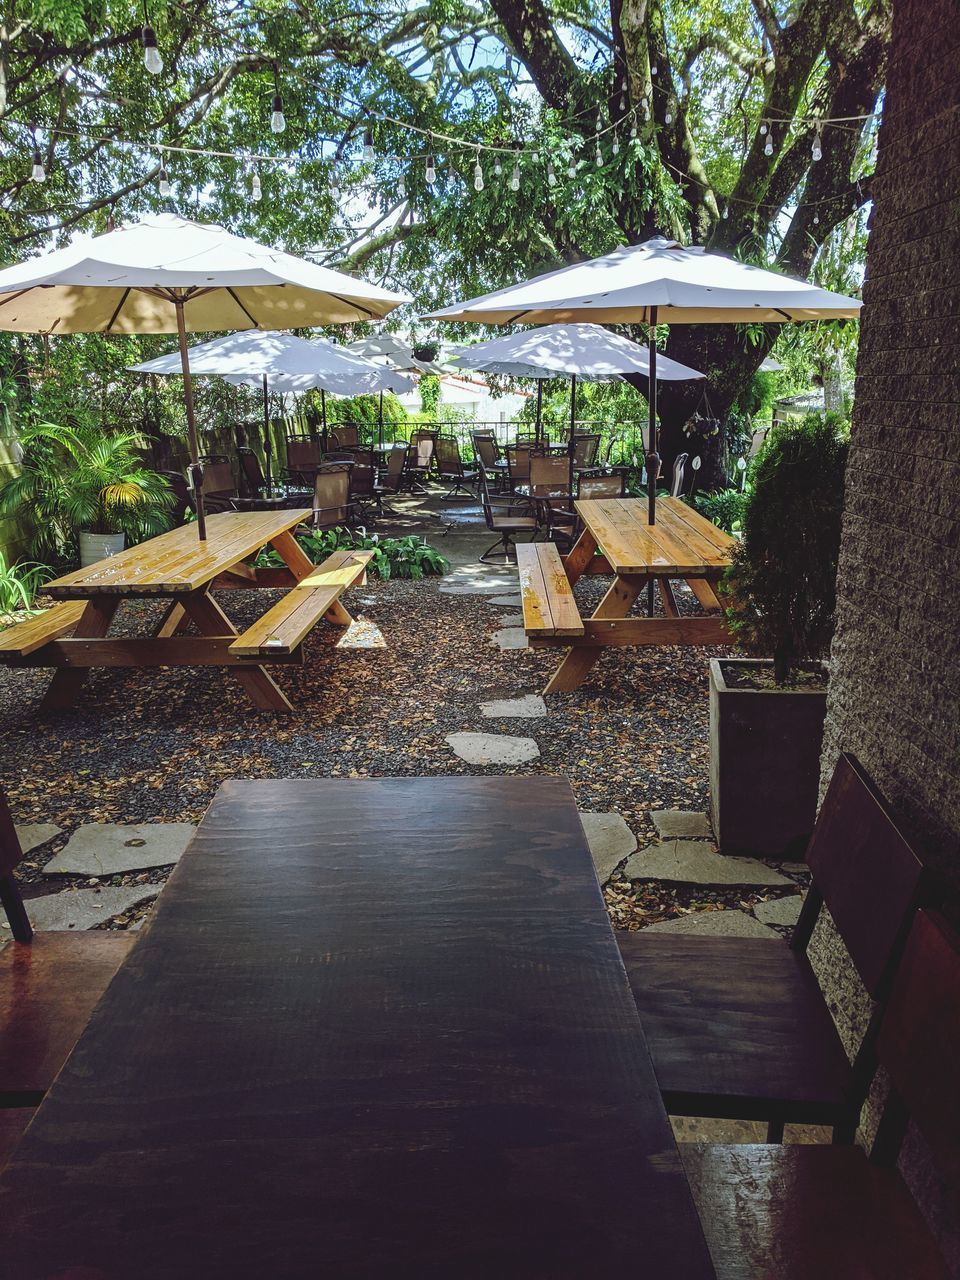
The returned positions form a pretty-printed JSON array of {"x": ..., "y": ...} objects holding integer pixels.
[
  {"x": 701, "y": 428},
  {"x": 425, "y": 352}
]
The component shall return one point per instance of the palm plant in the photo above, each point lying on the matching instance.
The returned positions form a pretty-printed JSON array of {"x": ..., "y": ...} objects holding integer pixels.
[{"x": 79, "y": 478}]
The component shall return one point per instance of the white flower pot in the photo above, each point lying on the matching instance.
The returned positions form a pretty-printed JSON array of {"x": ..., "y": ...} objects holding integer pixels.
[{"x": 99, "y": 546}]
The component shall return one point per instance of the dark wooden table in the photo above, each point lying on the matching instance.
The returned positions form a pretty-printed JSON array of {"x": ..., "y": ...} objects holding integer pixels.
[{"x": 375, "y": 1028}]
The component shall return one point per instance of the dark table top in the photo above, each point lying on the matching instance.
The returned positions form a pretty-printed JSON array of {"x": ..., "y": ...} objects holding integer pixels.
[{"x": 375, "y": 1028}]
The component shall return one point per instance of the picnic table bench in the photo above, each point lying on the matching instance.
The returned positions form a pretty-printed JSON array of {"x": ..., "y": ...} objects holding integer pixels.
[
  {"x": 617, "y": 539},
  {"x": 72, "y": 637}
]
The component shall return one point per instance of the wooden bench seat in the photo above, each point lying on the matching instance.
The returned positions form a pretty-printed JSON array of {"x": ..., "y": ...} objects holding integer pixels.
[
  {"x": 284, "y": 627},
  {"x": 33, "y": 633},
  {"x": 549, "y": 608}
]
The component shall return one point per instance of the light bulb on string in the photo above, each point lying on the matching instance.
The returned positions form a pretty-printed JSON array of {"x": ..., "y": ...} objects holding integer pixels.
[
  {"x": 726, "y": 212},
  {"x": 763, "y": 130},
  {"x": 477, "y": 176},
  {"x": 668, "y": 116},
  {"x": 816, "y": 151},
  {"x": 430, "y": 172},
  {"x": 623, "y": 96},
  {"x": 165, "y": 188},
  {"x": 278, "y": 121},
  {"x": 368, "y": 153},
  {"x": 256, "y": 190},
  {"x": 551, "y": 175},
  {"x": 498, "y": 165},
  {"x": 572, "y": 166},
  {"x": 151, "y": 54},
  {"x": 38, "y": 173},
  {"x": 768, "y": 149},
  {"x": 598, "y": 155},
  {"x": 599, "y": 122},
  {"x": 334, "y": 186},
  {"x": 402, "y": 187},
  {"x": 515, "y": 176},
  {"x": 615, "y": 144},
  {"x": 633, "y": 127}
]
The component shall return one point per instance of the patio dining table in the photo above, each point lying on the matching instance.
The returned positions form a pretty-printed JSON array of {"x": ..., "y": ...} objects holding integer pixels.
[
  {"x": 358, "y": 1040},
  {"x": 178, "y": 567},
  {"x": 617, "y": 539}
]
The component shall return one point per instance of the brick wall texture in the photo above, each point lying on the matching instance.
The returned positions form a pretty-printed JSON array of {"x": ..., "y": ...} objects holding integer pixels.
[{"x": 894, "y": 695}]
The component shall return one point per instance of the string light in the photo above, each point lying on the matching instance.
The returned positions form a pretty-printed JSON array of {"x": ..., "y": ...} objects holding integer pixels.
[
  {"x": 277, "y": 119},
  {"x": 623, "y": 95},
  {"x": 477, "y": 176},
  {"x": 148, "y": 40},
  {"x": 256, "y": 191},
  {"x": 763, "y": 130},
  {"x": 165, "y": 188},
  {"x": 334, "y": 186},
  {"x": 515, "y": 176},
  {"x": 615, "y": 145},
  {"x": 816, "y": 151},
  {"x": 368, "y": 153},
  {"x": 598, "y": 155},
  {"x": 430, "y": 172},
  {"x": 572, "y": 166},
  {"x": 37, "y": 172},
  {"x": 768, "y": 146}
]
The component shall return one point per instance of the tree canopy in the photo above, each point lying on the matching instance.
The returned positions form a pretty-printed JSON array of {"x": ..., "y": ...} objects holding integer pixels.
[{"x": 620, "y": 118}]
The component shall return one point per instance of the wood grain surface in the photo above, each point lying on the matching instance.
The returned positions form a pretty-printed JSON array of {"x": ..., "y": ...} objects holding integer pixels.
[{"x": 375, "y": 1028}]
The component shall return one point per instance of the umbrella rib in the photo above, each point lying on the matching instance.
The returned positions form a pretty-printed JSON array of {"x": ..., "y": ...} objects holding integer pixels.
[
  {"x": 351, "y": 303},
  {"x": 119, "y": 307},
  {"x": 12, "y": 297},
  {"x": 242, "y": 307}
]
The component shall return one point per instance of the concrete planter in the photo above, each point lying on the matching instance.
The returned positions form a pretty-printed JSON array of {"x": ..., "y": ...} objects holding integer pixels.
[
  {"x": 99, "y": 546},
  {"x": 764, "y": 765}
]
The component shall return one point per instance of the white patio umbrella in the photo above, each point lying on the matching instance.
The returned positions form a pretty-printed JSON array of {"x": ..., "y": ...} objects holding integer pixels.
[
  {"x": 392, "y": 348},
  {"x": 575, "y": 351},
  {"x": 284, "y": 363},
  {"x": 166, "y": 274},
  {"x": 659, "y": 282}
]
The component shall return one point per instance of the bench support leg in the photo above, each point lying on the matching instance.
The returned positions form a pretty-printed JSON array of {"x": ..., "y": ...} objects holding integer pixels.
[
  {"x": 293, "y": 555},
  {"x": 261, "y": 689},
  {"x": 579, "y": 557},
  {"x": 93, "y": 623},
  {"x": 617, "y": 603},
  {"x": 174, "y": 620},
  {"x": 338, "y": 615}
]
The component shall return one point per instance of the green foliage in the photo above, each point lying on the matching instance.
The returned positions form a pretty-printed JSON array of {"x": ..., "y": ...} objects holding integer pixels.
[
  {"x": 77, "y": 478},
  {"x": 429, "y": 393},
  {"x": 724, "y": 508},
  {"x": 781, "y": 585},
  {"x": 19, "y": 583},
  {"x": 407, "y": 557}
]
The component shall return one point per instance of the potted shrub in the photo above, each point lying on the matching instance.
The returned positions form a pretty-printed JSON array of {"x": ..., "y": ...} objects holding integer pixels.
[
  {"x": 80, "y": 485},
  {"x": 767, "y": 712}
]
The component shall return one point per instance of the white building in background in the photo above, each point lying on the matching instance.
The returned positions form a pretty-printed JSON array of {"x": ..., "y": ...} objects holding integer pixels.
[{"x": 470, "y": 395}]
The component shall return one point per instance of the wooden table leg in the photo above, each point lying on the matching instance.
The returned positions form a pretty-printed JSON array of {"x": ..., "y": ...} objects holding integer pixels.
[
  {"x": 174, "y": 620},
  {"x": 93, "y": 623},
  {"x": 617, "y": 603},
  {"x": 338, "y": 615},
  {"x": 212, "y": 621},
  {"x": 293, "y": 555},
  {"x": 580, "y": 555},
  {"x": 705, "y": 593},
  {"x": 668, "y": 598}
]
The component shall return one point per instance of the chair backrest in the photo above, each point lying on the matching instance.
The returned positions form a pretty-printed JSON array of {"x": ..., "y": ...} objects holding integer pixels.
[
  {"x": 10, "y": 855},
  {"x": 448, "y": 456},
  {"x": 218, "y": 479},
  {"x": 550, "y": 476},
  {"x": 866, "y": 873},
  {"x": 676, "y": 482},
  {"x": 518, "y": 462},
  {"x": 611, "y": 485},
  {"x": 181, "y": 492},
  {"x": 485, "y": 447},
  {"x": 485, "y": 494},
  {"x": 396, "y": 461},
  {"x": 331, "y": 494},
  {"x": 422, "y": 446},
  {"x": 251, "y": 471},
  {"x": 363, "y": 473},
  {"x": 919, "y": 1041},
  {"x": 344, "y": 436},
  {"x": 302, "y": 451},
  {"x": 585, "y": 449}
]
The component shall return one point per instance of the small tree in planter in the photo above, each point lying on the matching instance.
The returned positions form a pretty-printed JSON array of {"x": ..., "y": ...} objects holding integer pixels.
[{"x": 766, "y": 714}]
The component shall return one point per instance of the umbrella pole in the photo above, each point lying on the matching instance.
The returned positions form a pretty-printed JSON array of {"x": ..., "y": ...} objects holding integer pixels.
[
  {"x": 196, "y": 471},
  {"x": 653, "y": 458},
  {"x": 323, "y": 419},
  {"x": 539, "y": 431},
  {"x": 571, "y": 446},
  {"x": 267, "y": 442},
  {"x": 380, "y": 422}
]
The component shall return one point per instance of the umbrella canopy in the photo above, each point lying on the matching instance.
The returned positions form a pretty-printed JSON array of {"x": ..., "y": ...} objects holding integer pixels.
[
  {"x": 586, "y": 351},
  {"x": 166, "y": 274},
  {"x": 288, "y": 362},
  {"x": 658, "y": 282}
]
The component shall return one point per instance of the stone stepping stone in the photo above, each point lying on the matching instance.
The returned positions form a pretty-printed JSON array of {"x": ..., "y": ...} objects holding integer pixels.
[
  {"x": 362, "y": 634},
  {"x": 511, "y": 620},
  {"x": 610, "y": 841},
  {"x": 507, "y": 602},
  {"x": 33, "y": 834},
  {"x": 85, "y": 908},
  {"x": 510, "y": 638},
  {"x": 107, "y": 849},
  {"x": 784, "y": 911},
  {"x": 675, "y": 824},
  {"x": 715, "y": 924},
  {"x": 493, "y": 748},
  {"x": 696, "y": 862},
  {"x": 530, "y": 707}
]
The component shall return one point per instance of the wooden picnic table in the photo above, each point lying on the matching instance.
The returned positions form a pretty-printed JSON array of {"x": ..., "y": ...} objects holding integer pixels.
[
  {"x": 617, "y": 539},
  {"x": 398, "y": 1046},
  {"x": 179, "y": 567}
]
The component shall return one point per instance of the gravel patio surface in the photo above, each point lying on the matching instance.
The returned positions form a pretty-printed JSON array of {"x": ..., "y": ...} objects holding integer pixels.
[{"x": 154, "y": 745}]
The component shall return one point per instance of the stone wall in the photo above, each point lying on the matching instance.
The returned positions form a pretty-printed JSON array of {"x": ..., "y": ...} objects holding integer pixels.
[{"x": 895, "y": 684}]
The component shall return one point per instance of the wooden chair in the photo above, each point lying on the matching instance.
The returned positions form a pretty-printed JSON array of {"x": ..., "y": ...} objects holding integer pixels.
[
  {"x": 738, "y": 1027},
  {"x": 506, "y": 517},
  {"x": 451, "y": 469},
  {"x": 331, "y": 497},
  {"x": 49, "y": 984},
  {"x": 802, "y": 1211}
]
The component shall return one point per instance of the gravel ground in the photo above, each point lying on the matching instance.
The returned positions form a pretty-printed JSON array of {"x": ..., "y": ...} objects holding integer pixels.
[{"x": 154, "y": 745}]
